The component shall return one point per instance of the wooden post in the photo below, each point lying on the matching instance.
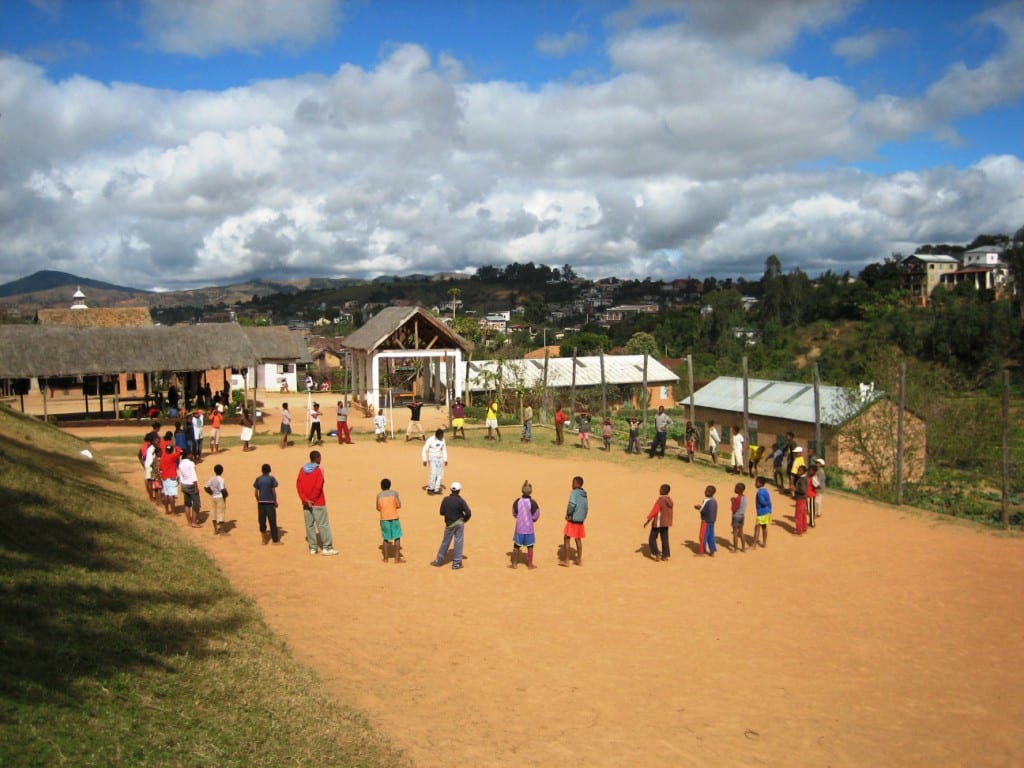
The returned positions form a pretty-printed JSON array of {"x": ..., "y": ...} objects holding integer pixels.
[
  {"x": 819, "y": 449},
  {"x": 604, "y": 389},
  {"x": 746, "y": 404},
  {"x": 645, "y": 397},
  {"x": 689, "y": 378},
  {"x": 572, "y": 405},
  {"x": 1006, "y": 449},
  {"x": 899, "y": 432},
  {"x": 46, "y": 414}
]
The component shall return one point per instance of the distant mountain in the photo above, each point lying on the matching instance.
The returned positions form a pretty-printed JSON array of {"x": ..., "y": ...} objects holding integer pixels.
[
  {"x": 52, "y": 289},
  {"x": 48, "y": 280}
]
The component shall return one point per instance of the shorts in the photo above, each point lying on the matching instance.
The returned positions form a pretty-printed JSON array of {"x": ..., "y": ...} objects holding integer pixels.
[
  {"x": 524, "y": 539},
  {"x": 713, "y": 449},
  {"x": 737, "y": 520},
  {"x": 390, "y": 529},
  {"x": 286, "y": 429},
  {"x": 764, "y": 519},
  {"x": 491, "y": 423},
  {"x": 458, "y": 423},
  {"x": 574, "y": 530},
  {"x": 246, "y": 435},
  {"x": 584, "y": 435},
  {"x": 215, "y": 435},
  {"x": 691, "y": 447},
  {"x": 171, "y": 488}
]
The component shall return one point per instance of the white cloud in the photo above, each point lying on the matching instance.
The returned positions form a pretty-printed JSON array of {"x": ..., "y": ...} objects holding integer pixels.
[
  {"x": 205, "y": 27},
  {"x": 694, "y": 158}
]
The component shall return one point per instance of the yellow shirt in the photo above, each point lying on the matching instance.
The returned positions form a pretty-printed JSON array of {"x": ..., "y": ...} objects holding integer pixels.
[{"x": 492, "y": 411}]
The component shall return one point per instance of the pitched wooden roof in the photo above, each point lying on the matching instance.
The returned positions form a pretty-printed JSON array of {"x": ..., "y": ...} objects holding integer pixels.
[{"x": 398, "y": 327}]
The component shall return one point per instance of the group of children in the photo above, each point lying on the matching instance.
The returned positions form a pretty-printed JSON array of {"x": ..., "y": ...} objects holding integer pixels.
[{"x": 660, "y": 518}]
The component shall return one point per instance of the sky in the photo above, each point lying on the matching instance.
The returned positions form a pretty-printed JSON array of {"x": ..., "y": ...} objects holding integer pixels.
[{"x": 169, "y": 145}]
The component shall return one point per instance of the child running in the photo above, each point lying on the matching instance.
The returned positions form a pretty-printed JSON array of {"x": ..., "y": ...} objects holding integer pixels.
[
  {"x": 660, "y": 518},
  {"x": 708, "y": 516},
  {"x": 526, "y": 512},
  {"x": 388, "y": 504},
  {"x": 218, "y": 493},
  {"x": 739, "y": 513},
  {"x": 763, "y": 505}
]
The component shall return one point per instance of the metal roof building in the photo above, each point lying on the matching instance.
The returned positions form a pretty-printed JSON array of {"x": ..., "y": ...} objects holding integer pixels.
[
  {"x": 618, "y": 369},
  {"x": 792, "y": 401}
]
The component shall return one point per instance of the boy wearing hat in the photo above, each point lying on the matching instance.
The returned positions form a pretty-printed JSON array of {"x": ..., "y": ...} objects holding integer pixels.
[{"x": 456, "y": 514}]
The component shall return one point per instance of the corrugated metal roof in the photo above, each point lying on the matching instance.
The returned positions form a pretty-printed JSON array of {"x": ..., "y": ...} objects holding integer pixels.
[
  {"x": 618, "y": 369},
  {"x": 789, "y": 400}
]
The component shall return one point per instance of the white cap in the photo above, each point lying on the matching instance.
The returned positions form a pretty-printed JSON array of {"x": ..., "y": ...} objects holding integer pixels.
[
  {"x": 821, "y": 462},
  {"x": 456, "y": 486},
  {"x": 797, "y": 449}
]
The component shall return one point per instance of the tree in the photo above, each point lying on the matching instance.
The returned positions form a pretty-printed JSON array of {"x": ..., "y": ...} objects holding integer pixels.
[
  {"x": 640, "y": 343},
  {"x": 454, "y": 294},
  {"x": 585, "y": 343}
]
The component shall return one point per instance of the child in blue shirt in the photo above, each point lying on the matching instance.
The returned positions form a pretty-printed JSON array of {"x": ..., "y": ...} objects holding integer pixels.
[{"x": 763, "y": 506}]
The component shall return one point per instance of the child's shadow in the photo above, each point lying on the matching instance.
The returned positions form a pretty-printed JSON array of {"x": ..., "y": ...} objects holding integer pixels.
[
  {"x": 785, "y": 526},
  {"x": 645, "y": 551},
  {"x": 693, "y": 546},
  {"x": 228, "y": 526}
]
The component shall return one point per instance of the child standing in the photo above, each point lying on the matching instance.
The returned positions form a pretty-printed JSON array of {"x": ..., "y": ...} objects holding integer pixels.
[
  {"x": 286, "y": 425},
  {"x": 800, "y": 497},
  {"x": 189, "y": 479},
  {"x": 634, "y": 435},
  {"x": 584, "y": 421},
  {"x": 388, "y": 504},
  {"x": 763, "y": 506},
  {"x": 739, "y": 513},
  {"x": 526, "y": 512},
  {"x": 714, "y": 438},
  {"x": 266, "y": 504},
  {"x": 708, "y": 516},
  {"x": 575, "y": 516},
  {"x": 218, "y": 492},
  {"x": 737, "y": 451},
  {"x": 660, "y": 518},
  {"x": 690, "y": 436},
  {"x": 606, "y": 433},
  {"x": 380, "y": 426}
]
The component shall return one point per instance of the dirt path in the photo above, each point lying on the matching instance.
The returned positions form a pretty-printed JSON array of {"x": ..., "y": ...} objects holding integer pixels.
[{"x": 884, "y": 636}]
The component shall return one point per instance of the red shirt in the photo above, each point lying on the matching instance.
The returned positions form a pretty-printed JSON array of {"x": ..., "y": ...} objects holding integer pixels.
[
  {"x": 169, "y": 463},
  {"x": 310, "y": 485}
]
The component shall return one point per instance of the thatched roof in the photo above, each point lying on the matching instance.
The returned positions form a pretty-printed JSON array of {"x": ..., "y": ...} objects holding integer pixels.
[
  {"x": 277, "y": 342},
  {"x": 104, "y": 317},
  {"x": 392, "y": 321},
  {"x": 27, "y": 351}
]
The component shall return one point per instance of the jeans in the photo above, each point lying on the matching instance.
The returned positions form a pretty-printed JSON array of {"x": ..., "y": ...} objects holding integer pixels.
[
  {"x": 659, "y": 440},
  {"x": 528, "y": 431},
  {"x": 457, "y": 531},
  {"x": 316, "y": 519},
  {"x": 436, "y": 475}
]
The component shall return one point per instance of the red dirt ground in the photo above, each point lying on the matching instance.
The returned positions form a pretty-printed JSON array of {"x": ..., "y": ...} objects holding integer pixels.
[{"x": 885, "y": 636}]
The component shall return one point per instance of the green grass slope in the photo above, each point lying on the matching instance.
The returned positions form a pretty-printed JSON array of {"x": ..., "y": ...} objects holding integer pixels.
[{"x": 122, "y": 645}]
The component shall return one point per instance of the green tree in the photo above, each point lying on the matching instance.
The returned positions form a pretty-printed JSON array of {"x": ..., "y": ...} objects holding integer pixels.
[{"x": 640, "y": 343}]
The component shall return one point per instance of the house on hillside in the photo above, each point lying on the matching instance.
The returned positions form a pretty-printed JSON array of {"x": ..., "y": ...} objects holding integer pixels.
[
  {"x": 853, "y": 423},
  {"x": 983, "y": 268},
  {"x": 922, "y": 272}
]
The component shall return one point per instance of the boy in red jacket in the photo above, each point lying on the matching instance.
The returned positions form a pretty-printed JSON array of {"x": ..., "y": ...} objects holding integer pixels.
[{"x": 310, "y": 485}]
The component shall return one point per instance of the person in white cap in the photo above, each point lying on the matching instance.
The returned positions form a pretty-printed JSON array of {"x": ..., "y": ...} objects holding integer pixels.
[
  {"x": 798, "y": 461},
  {"x": 456, "y": 514}
]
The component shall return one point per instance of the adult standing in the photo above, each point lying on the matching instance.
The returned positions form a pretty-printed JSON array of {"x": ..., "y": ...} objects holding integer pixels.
[
  {"x": 435, "y": 454},
  {"x": 662, "y": 421},
  {"x": 247, "y": 424},
  {"x": 415, "y": 407},
  {"x": 575, "y": 516},
  {"x": 491, "y": 420},
  {"x": 527, "y": 424},
  {"x": 458, "y": 419},
  {"x": 342, "y": 417},
  {"x": 560, "y": 418},
  {"x": 314, "y": 425},
  {"x": 456, "y": 514},
  {"x": 198, "y": 423},
  {"x": 286, "y": 425},
  {"x": 310, "y": 486}
]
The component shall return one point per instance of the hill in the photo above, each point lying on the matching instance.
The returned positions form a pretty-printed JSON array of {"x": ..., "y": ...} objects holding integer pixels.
[{"x": 46, "y": 280}]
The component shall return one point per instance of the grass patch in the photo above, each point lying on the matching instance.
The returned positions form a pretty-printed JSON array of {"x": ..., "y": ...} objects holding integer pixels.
[{"x": 123, "y": 645}]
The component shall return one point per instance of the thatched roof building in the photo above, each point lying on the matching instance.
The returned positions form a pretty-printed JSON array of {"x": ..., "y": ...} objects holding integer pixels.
[{"x": 89, "y": 317}]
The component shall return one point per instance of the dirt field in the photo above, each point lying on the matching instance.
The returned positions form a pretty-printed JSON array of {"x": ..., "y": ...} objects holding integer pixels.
[{"x": 883, "y": 637}]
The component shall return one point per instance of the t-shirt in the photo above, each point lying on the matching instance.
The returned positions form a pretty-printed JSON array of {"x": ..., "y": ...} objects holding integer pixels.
[
  {"x": 265, "y": 486},
  {"x": 388, "y": 504},
  {"x": 763, "y": 501},
  {"x": 492, "y": 411},
  {"x": 415, "y": 408},
  {"x": 739, "y": 507},
  {"x": 286, "y": 418},
  {"x": 215, "y": 485},
  {"x": 169, "y": 463},
  {"x": 187, "y": 472}
]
